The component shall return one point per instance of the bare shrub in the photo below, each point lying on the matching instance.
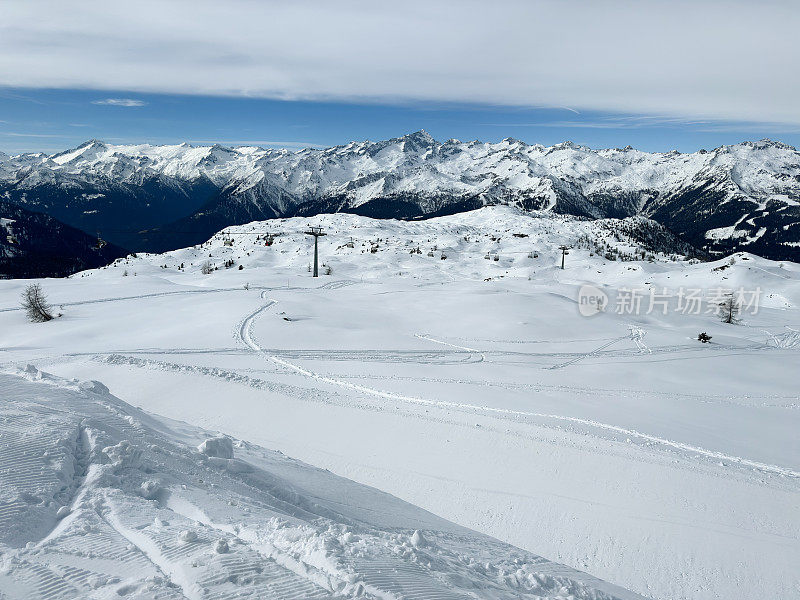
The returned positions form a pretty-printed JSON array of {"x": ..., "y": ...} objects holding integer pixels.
[
  {"x": 729, "y": 310},
  {"x": 35, "y": 304}
]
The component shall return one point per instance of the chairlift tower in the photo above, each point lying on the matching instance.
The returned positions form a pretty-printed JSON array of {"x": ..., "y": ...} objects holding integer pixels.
[
  {"x": 316, "y": 232},
  {"x": 564, "y": 252}
]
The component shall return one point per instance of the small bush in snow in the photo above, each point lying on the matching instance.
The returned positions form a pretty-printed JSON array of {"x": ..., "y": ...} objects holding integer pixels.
[
  {"x": 704, "y": 337},
  {"x": 35, "y": 304},
  {"x": 207, "y": 268}
]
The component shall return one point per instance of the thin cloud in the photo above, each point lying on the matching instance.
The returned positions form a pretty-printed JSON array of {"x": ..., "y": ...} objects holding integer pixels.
[
  {"x": 261, "y": 143},
  {"x": 127, "y": 102},
  {"x": 627, "y": 122},
  {"x": 612, "y": 122},
  {"x": 32, "y": 135},
  {"x": 752, "y": 128}
]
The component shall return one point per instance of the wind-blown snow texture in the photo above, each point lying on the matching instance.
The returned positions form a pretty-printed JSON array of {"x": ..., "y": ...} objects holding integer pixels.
[{"x": 740, "y": 197}]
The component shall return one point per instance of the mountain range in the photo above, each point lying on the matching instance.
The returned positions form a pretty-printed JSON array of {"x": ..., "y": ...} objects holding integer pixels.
[{"x": 742, "y": 197}]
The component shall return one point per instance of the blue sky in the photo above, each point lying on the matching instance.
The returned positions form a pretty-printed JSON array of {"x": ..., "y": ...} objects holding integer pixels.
[
  {"x": 49, "y": 120},
  {"x": 683, "y": 74}
]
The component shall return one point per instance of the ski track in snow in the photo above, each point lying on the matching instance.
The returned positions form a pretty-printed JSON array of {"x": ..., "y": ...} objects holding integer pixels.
[
  {"x": 332, "y": 285},
  {"x": 150, "y": 549},
  {"x": 246, "y": 335},
  {"x": 588, "y": 354},
  {"x": 123, "y": 298},
  {"x": 435, "y": 341}
]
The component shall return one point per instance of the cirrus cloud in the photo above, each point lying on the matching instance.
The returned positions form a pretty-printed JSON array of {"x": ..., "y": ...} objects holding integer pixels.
[{"x": 127, "y": 102}]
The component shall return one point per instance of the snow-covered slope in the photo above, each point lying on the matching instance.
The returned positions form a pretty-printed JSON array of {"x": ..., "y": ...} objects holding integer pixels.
[
  {"x": 617, "y": 444},
  {"x": 100, "y": 500},
  {"x": 740, "y": 197},
  {"x": 491, "y": 242}
]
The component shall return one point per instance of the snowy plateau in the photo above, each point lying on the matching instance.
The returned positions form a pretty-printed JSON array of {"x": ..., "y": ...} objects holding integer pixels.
[{"x": 434, "y": 417}]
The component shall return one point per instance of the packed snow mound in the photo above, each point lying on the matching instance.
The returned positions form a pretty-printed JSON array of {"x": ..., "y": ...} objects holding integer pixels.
[
  {"x": 220, "y": 447},
  {"x": 100, "y": 500}
]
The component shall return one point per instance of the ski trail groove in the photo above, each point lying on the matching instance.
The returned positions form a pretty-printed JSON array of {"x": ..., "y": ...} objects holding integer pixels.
[
  {"x": 588, "y": 354},
  {"x": 148, "y": 547},
  {"x": 332, "y": 285},
  {"x": 246, "y": 335},
  {"x": 435, "y": 341},
  {"x": 314, "y": 583}
]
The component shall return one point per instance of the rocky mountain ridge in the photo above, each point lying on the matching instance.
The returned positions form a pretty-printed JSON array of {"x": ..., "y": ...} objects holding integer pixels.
[{"x": 739, "y": 197}]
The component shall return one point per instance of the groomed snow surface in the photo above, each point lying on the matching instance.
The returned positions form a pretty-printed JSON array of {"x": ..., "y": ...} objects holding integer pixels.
[{"x": 466, "y": 386}]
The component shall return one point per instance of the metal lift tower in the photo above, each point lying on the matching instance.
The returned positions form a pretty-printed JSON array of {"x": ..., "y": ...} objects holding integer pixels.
[
  {"x": 316, "y": 232},
  {"x": 564, "y": 252}
]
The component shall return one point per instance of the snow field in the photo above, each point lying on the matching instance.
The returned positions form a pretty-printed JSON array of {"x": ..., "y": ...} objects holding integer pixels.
[{"x": 673, "y": 472}]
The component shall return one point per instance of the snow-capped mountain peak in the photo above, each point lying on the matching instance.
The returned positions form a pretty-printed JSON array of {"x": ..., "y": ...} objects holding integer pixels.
[{"x": 739, "y": 197}]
